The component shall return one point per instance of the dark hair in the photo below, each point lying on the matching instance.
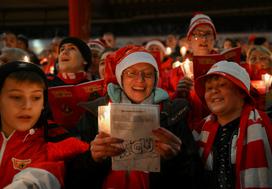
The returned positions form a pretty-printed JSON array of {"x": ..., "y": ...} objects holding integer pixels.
[
  {"x": 27, "y": 72},
  {"x": 82, "y": 47}
]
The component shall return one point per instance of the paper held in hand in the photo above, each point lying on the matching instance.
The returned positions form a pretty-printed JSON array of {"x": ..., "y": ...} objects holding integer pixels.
[{"x": 133, "y": 123}]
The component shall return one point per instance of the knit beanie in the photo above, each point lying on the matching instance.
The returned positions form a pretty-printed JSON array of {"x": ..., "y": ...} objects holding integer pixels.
[
  {"x": 82, "y": 47},
  {"x": 96, "y": 45},
  {"x": 200, "y": 19}
]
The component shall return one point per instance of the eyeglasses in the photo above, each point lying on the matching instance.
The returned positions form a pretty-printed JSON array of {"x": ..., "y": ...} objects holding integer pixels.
[
  {"x": 258, "y": 58},
  {"x": 203, "y": 35},
  {"x": 144, "y": 74}
]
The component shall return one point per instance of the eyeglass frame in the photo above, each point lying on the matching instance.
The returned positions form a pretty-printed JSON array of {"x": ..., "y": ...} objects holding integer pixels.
[
  {"x": 133, "y": 74},
  {"x": 206, "y": 35}
]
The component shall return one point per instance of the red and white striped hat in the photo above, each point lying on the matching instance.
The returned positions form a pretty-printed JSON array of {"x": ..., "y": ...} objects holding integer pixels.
[
  {"x": 200, "y": 19},
  {"x": 96, "y": 45}
]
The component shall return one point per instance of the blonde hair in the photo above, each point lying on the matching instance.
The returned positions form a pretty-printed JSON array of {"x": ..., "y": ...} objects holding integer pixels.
[{"x": 261, "y": 49}]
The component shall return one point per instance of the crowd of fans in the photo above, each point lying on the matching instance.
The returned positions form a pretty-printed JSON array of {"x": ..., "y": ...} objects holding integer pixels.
[{"x": 215, "y": 129}]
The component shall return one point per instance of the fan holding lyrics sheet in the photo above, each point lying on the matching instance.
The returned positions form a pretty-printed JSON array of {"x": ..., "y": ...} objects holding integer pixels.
[{"x": 141, "y": 139}]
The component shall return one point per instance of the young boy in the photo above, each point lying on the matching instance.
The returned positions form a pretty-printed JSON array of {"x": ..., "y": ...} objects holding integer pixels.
[
  {"x": 26, "y": 159},
  {"x": 236, "y": 139}
]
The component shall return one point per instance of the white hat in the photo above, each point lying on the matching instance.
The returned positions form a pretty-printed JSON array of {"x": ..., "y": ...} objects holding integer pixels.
[
  {"x": 132, "y": 59},
  {"x": 200, "y": 19},
  {"x": 155, "y": 42},
  {"x": 231, "y": 71},
  {"x": 96, "y": 45}
]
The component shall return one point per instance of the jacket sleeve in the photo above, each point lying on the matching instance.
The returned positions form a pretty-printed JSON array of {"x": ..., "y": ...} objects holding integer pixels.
[
  {"x": 184, "y": 170},
  {"x": 34, "y": 178}
]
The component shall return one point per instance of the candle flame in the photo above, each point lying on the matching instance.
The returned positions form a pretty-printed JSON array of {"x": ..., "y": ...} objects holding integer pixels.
[
  {"x": 168, "y": 51},
  {"x": 183, "y": 51}
]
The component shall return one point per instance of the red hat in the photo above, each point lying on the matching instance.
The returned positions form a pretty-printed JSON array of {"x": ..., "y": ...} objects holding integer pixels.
[
  {"x": 200, "y": 19},
  {"x": 123, "y": 58},
  {"x": 97, "y": 45},
  {"x": 157, "y": 43},
  {"x": 229, "y": 70}
]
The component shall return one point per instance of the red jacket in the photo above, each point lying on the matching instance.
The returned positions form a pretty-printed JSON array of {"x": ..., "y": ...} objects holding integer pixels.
[{"x": 29, "y": 149}]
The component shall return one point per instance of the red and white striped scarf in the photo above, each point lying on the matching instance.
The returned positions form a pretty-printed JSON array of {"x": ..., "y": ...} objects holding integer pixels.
[{"x": 250, "y": 151}]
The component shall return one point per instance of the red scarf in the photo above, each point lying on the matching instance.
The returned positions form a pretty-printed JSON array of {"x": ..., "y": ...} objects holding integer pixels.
[
  {"x": 252, "y": 154},
  {"x": 126, "y": 180},
  {"x": 73, "y": 78}
]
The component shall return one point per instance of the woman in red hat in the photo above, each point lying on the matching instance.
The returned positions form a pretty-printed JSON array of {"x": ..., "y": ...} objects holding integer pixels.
[
  {"x": 132, "y": 78},
  {"x": 236, "y": 139}
]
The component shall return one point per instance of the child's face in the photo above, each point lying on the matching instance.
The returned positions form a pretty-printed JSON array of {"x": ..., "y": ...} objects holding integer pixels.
[
  {"x": 21, "y": 104},
  {"x": 223, "y": 98},
  {"x": 70, "y": 59}
]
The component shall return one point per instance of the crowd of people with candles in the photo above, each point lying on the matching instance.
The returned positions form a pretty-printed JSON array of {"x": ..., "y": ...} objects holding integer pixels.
[{"x": 183, "y": 112}]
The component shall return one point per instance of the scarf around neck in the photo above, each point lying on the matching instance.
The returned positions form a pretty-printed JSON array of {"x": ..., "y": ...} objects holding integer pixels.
[
  {"x": 251, "y": 149},
  {"x": 73, "y": 78}
]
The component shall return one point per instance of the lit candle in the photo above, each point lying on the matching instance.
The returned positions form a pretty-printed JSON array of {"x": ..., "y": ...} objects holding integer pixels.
[
  {"x": 168, "y": 51},
  {"x": 183, "y": 51},
  {"x": 186, "y": 66},
  {"x": 104, "y": 118},
  {"x": 176, "y": 64},
  {"x": 26, "y": 59},
  {"x": 267, "y": 78}
]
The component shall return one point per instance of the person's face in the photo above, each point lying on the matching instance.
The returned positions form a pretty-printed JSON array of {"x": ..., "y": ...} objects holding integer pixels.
[
  {"x": 201, "y": 40},
  {"x": 138, "y": 81},
  {"x": 260, "y": 60},
  {"x": 95, "y": 58},
  {"x": 70, "y": 59},
  {"x": 21, "y": 44},
  {"x": 171, "y": 41},
  {"x": 227, "y": 45},
  {"x": 109, "y": 40},
  {"x": 156, "y": 48},
  {"x": 10, "y": 40},
  {"x": 21, "y": 104},
  {"x": 223, "y": 97},
  {"x": 102, "y": 64}
]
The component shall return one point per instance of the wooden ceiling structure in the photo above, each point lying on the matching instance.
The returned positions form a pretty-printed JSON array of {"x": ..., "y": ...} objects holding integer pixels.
[{"x": 45, "y": 18}]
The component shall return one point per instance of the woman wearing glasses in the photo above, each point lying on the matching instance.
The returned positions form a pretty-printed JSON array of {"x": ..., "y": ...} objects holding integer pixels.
[{"x": 135, "y": 81}]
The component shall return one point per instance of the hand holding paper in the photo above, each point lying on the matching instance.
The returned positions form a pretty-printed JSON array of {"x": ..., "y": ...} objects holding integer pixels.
[
  {"x": 167, "y": 144},
  {"x": 105, "y": 146}
]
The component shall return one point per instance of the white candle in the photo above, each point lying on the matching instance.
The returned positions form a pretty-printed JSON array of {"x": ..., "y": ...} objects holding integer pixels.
[
  {"x": 176, "y": 64},
  {"x": 186, "y": 66},
  {"x": 168, "y": 51},
  {"x": 26, "y": 59},
  {"x": 267, "y": 78},
  {"x": 183, "y": 51},
  {"x": 104, "y": 118}
]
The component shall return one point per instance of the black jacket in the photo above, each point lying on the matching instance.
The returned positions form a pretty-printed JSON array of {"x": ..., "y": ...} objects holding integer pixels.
[{"x": 183, "y": 171}]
